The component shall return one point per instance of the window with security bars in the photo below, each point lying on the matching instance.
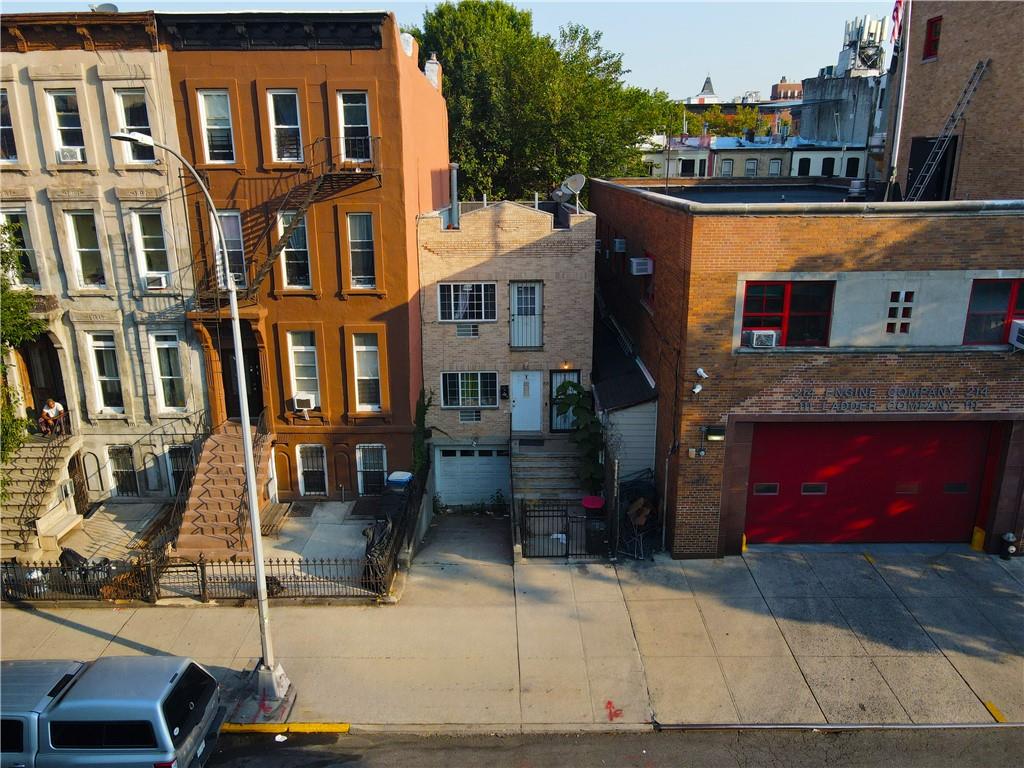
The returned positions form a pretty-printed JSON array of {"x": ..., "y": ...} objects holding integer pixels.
[
  {"x": 122, "y": 467},
  {"x": 469, "y": 389},
  {"x": 467, "y": 302},
  {"x": 526, "y": 328},
  {"x": 372, "y": 468},
  {"x": 182, "y": 461},
  {"x": 564, "y": 422},
  {"x": 312, "y": 470},
  {"x": 361, "y": 251},
  {"x": 367, "y": 371},
  {"x": 285, "y": 131},
  {"x": 355, "y": 125},
  {"x": 8, "y": 146},
  {"x": 215, "y": 116},
  {"x": 296, "y": 252}
]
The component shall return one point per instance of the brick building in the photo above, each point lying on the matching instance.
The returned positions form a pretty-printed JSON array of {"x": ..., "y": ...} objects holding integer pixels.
[
  {"x": 321, "y": 140},
  {"x": 507, "y": 316},
  {"x": 886, "y": 404},
  {"x": 946, "y": 42}
]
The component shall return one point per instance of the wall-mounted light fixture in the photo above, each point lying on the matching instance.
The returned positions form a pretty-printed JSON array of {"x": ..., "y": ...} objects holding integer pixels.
[
  {"x": 697, "y": 388},
  {"x": 566, "y": 365},
  {"x": 714, "y": 434}
]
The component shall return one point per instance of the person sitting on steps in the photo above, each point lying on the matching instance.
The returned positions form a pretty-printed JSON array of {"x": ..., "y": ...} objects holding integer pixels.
[{"x": 49, "y": 420}]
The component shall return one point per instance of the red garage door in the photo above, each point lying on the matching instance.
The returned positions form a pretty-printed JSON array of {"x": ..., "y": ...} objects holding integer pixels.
[{"x": 856, "y": 481}]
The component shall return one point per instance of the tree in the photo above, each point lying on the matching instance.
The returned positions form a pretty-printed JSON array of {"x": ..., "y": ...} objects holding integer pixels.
[
  {"x": 526, "y": 110},
  {"x": 17, "y": 326}
]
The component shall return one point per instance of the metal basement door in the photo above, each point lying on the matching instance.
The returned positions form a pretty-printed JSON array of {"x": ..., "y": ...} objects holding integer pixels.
[
  {"x": 472, "y": 475},
  {"x": 865, "y": 481}
]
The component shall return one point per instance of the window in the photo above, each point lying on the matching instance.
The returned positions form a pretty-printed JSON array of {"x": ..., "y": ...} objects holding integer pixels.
[
  {"x": 813, "y": 489},
  {"x": 108, "y": 377},
  {"x": 149, "y": 238},
  {"x": 750, "y": 168},
  {"x": 182, "y": 462},
  {"x": 296, "y": 252},
  {"x": 135, "y": 118},
  {"x": 355, "y": 125},
  {"x": 469, "y": 390},
  {"x": 526, "y": 326},
  {"x": 367, "y": 369},
  {"x": 828, "y": 166},
  {"x": 86, "y": 242},
  {"x": 372, "y": 468},
  {"x": 234, "y": 246},
  {"x": 800, "y": 311},
  {"x": 727, "y": 167},
  {"x": 766, "y": 489},
  {"x": 21, "y": 244},
  {"x": 995, "y": 304},
  {"x": 8, "y": 146},
  {"x": 803, "y": 166},
  {"x": 932, "y": 32},
  {"x": 215, "y": 117},
  {"x": 312, "y": 470},
  {"x": 775, "y": 167},
  {"x": 126, "y": 482},
  {"x": 12, "y": 735},
  {"x": 687, "y": 167},
  {"x": 900, "y": 311},
  {"x": 852, "y": 167},
  {"x": 305, "y": 376},
  {"x": 67, "y": 120},
  {"x": 462, "y": 302},
  {"x": 285, "y": 131},
  {"x": 96, "y": 734},
  {"x": 564, "y": 422},
  {"x": 360, "y": 248},
  {"x": 171, "y": 389},
  {"x": 184, "y": 707}
]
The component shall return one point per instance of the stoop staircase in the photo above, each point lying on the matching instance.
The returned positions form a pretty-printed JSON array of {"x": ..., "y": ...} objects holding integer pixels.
[
  {"x": 32, "y": 519},
  {"x": 215, "y": 521},
  {"x": 548, "y": 471}
]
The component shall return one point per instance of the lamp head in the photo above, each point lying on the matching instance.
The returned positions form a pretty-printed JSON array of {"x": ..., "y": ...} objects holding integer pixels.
[
  {"x": 697, "y": 388},
  {"x": 702, "y": 374},
  {"x": 134, "y": 137}
]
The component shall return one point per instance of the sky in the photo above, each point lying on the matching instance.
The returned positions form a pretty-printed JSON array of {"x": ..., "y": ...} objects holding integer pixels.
[{"x": 668, "y": 45}]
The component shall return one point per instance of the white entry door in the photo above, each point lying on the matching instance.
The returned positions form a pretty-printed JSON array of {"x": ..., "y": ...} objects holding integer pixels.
[{"x": 527, "y": 401}]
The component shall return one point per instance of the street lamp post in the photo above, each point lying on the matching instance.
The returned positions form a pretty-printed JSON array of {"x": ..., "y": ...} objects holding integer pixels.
[{"x": 273, "y": 685}]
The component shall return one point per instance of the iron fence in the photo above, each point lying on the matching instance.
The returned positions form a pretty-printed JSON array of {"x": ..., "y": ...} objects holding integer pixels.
[{"x": 553, "y": 528}]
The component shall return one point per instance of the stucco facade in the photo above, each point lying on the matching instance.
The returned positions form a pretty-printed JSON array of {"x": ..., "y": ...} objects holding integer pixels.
[
  {"x": 331, "y": 322},
  {"x": 105, "y": 235}
]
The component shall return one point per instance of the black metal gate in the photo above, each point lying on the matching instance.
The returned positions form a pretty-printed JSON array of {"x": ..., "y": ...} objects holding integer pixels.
[{"x": 553, "y": 528}]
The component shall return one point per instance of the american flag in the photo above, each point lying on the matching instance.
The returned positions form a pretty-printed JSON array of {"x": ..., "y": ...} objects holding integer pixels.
[{"x": 897, "y": 21}]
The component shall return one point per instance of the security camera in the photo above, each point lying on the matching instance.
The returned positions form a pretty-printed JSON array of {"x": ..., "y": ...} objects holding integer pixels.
[
  {"x": 702, "y": 374},
  {"x": 697, "y": 388}
]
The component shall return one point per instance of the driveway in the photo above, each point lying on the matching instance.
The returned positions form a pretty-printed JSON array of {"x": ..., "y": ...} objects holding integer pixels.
[{"x": 815, "y": 634}]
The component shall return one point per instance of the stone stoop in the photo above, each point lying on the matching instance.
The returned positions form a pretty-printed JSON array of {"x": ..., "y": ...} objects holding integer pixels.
[
  {"x": 209, "y": 525},
  {"x": 548, "y": 471},
  {"x": 49, "y": 523}
]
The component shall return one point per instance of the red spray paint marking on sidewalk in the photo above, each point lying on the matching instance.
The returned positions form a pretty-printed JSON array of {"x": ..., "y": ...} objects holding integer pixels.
[{"x": 613, "y": 713}]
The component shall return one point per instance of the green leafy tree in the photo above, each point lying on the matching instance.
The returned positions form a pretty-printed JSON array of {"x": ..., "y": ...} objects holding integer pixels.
[
  {"x": 17, "y": 326},
  {"x": 527, "y": 110}
]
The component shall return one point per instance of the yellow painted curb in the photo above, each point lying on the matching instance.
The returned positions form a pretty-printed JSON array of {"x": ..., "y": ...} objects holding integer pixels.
[
  {"x": 869, "y": 558},
  {"x": 978, "y": 539},
  {"x": 285, "y": 728},
  {"x": 743, "y": 543},
  {"x": 995, "y": 712}
]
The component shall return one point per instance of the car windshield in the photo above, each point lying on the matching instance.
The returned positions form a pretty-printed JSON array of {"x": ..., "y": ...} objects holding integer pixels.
[{"x": 184, "y": 706}]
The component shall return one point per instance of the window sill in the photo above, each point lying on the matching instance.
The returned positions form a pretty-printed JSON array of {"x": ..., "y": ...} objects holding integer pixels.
[
  {"x": 470, "y": 407},
  {"x": 873, "y": 350},
  {"x": 368, "y": 415},
  {"x": 375, "y": 292},
  {"x": 283, "y": 165},
  {"x": 929, "y": 59},
  {"x": 526, "y": 349},
  {"x": 466, "y": 322},
  {"x": 286, "y": 293},
  {"x": 17, "y": 167},
  {"x": 72, "y": 168},
  {"x": 108, "y": 416},
  {"x": 98, "y": 292},
  {"x": 153, "y": 167}
]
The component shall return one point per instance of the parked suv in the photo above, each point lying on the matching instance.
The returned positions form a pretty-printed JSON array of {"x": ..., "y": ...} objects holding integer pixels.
[{"x": 119, "y": 711}]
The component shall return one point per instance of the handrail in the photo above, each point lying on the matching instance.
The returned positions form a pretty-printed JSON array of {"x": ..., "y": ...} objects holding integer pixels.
[
  {"x": 61, "y": 433},
  {"x": 513, "y": 515},
  {"x": 259, "y": 447}
]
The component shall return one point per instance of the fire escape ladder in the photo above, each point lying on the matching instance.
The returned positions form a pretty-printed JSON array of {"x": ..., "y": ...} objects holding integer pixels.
[
  {"x": 938, "y": 150},
  {"x": 304, "y": 199}
]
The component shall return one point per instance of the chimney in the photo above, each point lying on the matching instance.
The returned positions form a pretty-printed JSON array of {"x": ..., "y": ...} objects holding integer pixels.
[
  {"x": 432, "y": 69},
  {"x": 453, "y": 218}
]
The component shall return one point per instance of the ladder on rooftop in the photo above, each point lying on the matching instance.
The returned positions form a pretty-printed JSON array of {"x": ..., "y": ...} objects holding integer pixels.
[{"x": 939, "y": 147}]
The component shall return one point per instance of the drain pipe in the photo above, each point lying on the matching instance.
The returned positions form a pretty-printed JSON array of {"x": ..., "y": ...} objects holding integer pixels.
[{"x": 453, "y": 219}]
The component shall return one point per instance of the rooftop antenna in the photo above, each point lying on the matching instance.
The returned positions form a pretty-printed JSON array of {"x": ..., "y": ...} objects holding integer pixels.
[{"x": 574, "y": 184}]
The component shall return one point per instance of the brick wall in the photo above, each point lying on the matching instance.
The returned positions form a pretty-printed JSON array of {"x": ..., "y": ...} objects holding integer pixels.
[
  {"x": 990, "y": 164},
  {"x": 690, "y": 324},
  {"x": 502, "y": 243}
]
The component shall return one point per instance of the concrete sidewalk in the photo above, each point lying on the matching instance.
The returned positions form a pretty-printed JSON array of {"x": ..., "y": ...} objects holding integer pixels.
[{"x": 776, "y": 637}]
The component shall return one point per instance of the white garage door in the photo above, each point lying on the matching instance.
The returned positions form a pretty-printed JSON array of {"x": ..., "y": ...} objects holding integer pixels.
[{"x": 471, "y": 475}]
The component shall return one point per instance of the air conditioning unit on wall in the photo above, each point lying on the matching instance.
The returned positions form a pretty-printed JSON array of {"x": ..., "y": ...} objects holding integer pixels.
[
  {"x": 1017, "y": 334},
  {"x": 156, "y": 282},
  {"x": 641, "y": 266},
  {"x": 71, "y": 155},
  {"x": 760, "y": 339},
  {"x": 303, "y": 404}
]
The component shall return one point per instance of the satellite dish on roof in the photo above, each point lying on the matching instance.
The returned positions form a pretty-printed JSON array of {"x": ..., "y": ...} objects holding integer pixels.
[
  {"x": 103, "y": 8},
  {"x": 575, "y": 183}
]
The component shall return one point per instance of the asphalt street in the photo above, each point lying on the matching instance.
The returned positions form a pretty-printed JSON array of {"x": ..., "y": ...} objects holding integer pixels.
[{"x": 952, "y": 748}]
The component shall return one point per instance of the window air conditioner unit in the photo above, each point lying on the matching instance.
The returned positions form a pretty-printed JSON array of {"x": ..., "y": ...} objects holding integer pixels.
[
  {"x": 239, "y": 278},
  {"x": 1017, "y": 334},
  {"x": 641, "y": 266},
  {"x": 303, "y": 403},
  {"x": 156, "y": 282},
  {"x": 619, "y": 245},
  {"x": 597, "y": 246},
  {"x": 71, "y": 155},
  {"x": 760, "y": 339}
]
